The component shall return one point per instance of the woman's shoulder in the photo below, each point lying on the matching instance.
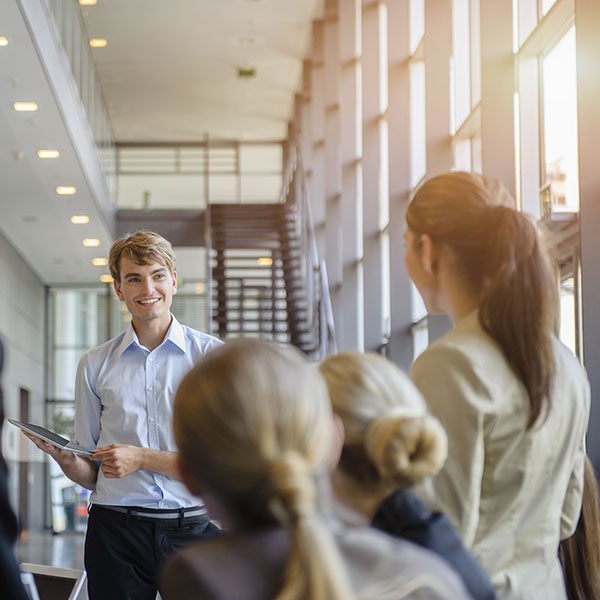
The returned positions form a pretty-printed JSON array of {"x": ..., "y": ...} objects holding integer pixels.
[
  {"x": 403, "y": 569},
  {"x": 468, "y": 366},
  {"x": 247, "y": 565}
]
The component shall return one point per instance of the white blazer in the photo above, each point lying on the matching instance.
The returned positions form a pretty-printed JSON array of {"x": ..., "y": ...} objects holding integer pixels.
[{"x": 513, "y": 494}]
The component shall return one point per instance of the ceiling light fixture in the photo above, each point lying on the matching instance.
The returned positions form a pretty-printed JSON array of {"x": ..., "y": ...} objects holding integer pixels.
[
  {"x": 87, "y": 2},
  {"x": 91, "y": 242},
  {"x": 25, "y": 106},
  {"x": 66, "y": 190},
  {"x": 106, "y": 278},
  {"x": 3, "y": 40},
  {"x": 98, "y": 43},
  {"x": 100, "y": 261},
  {"x": 80, "y": 219},
  {"x": 48, "y": 153},
  {"x": 264, "y": 261},
  {"x": 200, "y": 288}
]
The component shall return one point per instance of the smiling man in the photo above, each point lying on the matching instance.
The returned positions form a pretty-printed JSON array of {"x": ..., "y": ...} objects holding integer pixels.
[{"x": 140, "y": 512}]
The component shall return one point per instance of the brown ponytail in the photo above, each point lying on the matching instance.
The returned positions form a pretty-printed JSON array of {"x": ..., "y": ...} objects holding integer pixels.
[
  {"x": 516, "y": 308},
  {"x": 499, "y": 253}
]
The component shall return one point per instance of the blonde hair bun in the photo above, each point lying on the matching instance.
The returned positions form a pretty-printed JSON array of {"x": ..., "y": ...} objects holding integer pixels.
[
  {"x": 406, "y": 449},
  {"x": 390, "y": 438}
]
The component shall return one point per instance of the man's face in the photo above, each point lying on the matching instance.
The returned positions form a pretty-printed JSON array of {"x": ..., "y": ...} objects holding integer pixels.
[{"x": 147, "y": 290}]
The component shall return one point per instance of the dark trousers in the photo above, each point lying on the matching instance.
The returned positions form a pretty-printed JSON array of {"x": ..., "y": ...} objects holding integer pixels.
[{"x": 124, "y": 554}]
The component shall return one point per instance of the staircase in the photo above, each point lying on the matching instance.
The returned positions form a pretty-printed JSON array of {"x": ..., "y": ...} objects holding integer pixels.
[
  {"x": 267, "y": 280},
  {"x": 259, "y": 275}
]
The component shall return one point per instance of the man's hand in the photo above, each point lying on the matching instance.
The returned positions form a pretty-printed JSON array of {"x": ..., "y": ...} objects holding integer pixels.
[
  {"x": 62, "y": 457},
  {"x": 119, "y": 460},
  {"x": 77, "y": 468}
]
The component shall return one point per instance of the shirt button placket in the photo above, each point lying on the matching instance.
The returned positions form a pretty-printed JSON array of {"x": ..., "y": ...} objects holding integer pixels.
[{"x": 151, "y": 402}]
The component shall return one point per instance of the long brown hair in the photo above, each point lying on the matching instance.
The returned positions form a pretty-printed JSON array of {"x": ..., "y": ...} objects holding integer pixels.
[
  {"x": 500, "y": 256},
  {"x": 580, "y": 554}
]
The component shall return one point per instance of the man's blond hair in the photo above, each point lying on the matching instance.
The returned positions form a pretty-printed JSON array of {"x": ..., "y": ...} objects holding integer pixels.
[{"x": 143, "y": 248}]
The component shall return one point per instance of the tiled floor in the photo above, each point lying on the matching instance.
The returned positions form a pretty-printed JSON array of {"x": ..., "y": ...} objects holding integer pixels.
[{"x": 60, "y": 550}]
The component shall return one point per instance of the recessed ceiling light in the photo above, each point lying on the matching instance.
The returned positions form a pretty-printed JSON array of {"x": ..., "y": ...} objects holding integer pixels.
[
  {"x": 87, "y": 2},
  {"x": 3, "y": 40},
  {"x": 66, "y": 190},
  {"x": 90, "y": 242},
  {"x": 106, "y": 278},
  {"x": 98, "y": 43},
  {"x": 48, "y": 153},
  {"x": 80, "y": 219},
  {"x": 100, "y": 261},
  {"x": 25, "y": 106},
  {"x": 264, "y": 261}
]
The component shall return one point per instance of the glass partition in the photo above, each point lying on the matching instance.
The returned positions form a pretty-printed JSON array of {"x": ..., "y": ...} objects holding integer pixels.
[{"x": 174, "y": 177}]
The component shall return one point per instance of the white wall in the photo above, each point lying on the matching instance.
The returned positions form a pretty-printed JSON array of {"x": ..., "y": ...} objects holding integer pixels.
[{"x": 22, "y": 319}]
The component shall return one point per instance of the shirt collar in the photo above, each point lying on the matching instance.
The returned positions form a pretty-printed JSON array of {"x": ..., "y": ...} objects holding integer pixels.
[{"x": 174, "y": 335}]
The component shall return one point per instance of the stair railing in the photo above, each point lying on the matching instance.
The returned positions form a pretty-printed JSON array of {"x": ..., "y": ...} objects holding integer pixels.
[{"x": 319, "y": 310}]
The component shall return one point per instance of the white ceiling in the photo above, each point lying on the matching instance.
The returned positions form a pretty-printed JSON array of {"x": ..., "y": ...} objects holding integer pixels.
[{"x": 169, "y": 73}]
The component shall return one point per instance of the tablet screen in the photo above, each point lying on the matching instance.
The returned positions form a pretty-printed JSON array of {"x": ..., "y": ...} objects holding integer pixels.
[
  {"x": 46, "y": 433},
  {"x": 50, "y": 436}
]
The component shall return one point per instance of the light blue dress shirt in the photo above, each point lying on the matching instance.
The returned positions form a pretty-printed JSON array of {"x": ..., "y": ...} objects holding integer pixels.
[{"x": 124, "y": 395}]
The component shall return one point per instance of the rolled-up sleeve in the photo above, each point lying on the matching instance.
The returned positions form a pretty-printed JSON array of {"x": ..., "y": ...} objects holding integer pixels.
[{"x": 88, "y": 406}]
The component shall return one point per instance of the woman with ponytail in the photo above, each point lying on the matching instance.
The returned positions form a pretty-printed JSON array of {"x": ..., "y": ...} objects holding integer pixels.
[
  {"x": 513, "y": 400},
  {"x": 253, "y": 426},
  {"x": 391, "y": 443}
]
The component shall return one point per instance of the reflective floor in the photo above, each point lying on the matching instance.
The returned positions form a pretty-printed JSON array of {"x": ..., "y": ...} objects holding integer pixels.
[{"x": 60, "y": 550}]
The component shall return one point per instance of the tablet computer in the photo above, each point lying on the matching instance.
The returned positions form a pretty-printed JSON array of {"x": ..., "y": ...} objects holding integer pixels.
[{"x": 50, "y": 436}]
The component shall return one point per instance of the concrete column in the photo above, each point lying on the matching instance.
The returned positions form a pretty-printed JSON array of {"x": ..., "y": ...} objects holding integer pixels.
[
  {"x": 317, "y": 181},
  {"x": 303, "y": 120},
  {"x": 333, "y": 158},
  {"x": 401, "y": 347},
  {"x": 350, "y": 328},
  {"x": 497, "y": 93},
  {"x": 587, "y": 25},
  {"x": 375, "y": 172},
  {"x": 438, "y": 50}
]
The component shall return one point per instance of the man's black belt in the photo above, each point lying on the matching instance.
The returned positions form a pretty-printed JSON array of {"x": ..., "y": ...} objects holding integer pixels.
[{"x": 158, "y": 513}]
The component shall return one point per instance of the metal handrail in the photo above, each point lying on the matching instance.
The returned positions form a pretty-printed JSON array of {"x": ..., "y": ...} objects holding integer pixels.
[{"x": 320, "y": 311}]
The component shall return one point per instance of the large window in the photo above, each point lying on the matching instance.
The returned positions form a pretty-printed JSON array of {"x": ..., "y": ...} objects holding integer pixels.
[{"x": 559, "y": 107}]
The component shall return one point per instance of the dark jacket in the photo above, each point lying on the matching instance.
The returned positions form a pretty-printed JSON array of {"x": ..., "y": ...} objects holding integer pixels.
[
  {"x": 10, "y": 578},
  {"x": 404, "y": 515}
]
